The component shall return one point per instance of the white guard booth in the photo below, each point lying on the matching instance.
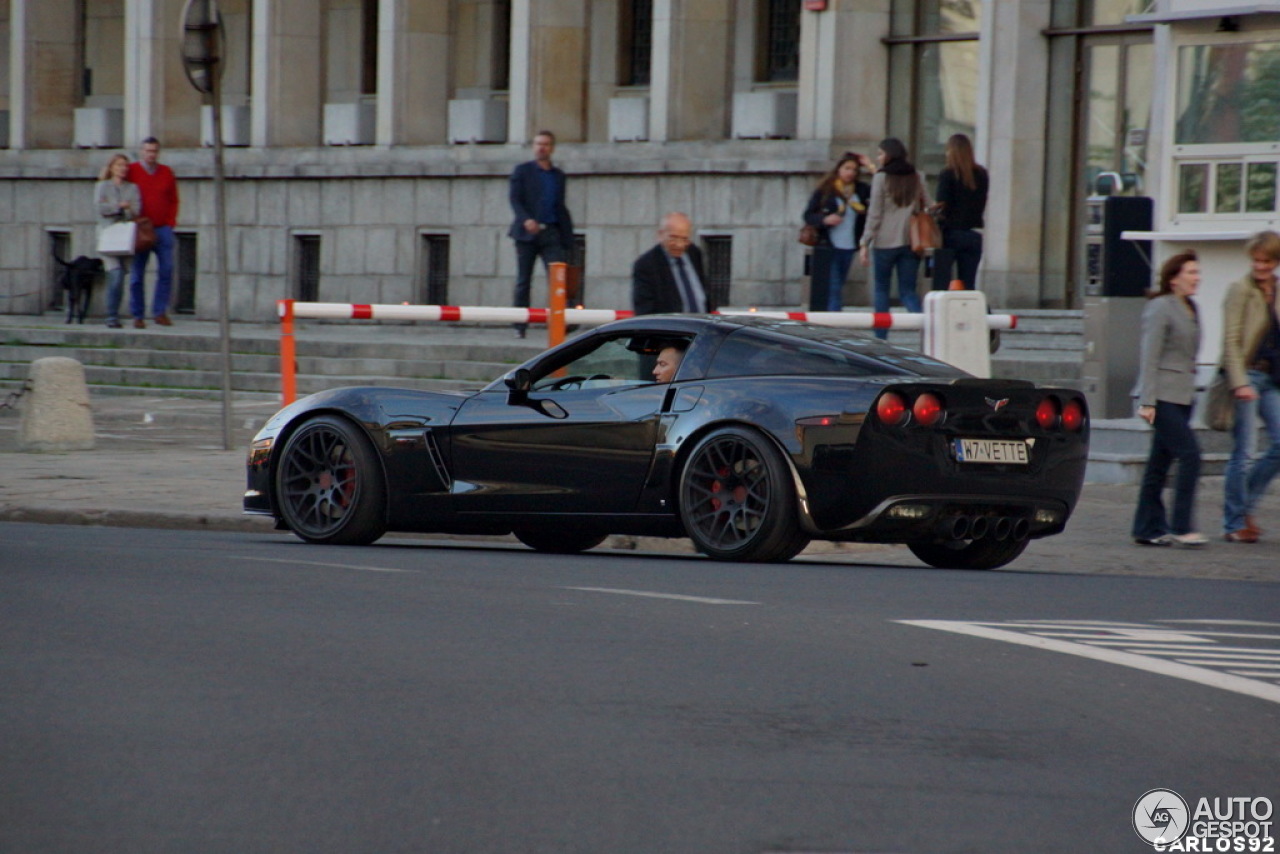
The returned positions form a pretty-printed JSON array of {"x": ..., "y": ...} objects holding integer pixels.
[{"x": 956, "y": 331}]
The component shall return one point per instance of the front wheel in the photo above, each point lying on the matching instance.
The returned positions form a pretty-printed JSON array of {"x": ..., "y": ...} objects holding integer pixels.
[
  {"x": 560, "y": 542},
  {"x": 329, "y": 484},
  {"x": 737, "y": 500},
  {"x": 971, "y": 554}
]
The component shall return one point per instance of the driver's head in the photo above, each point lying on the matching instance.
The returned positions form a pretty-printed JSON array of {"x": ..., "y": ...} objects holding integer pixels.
[{"x": 668, "y": 363}]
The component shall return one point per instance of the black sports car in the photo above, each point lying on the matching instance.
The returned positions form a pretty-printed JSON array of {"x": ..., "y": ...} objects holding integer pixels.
[{"x": 750, "y": 436}]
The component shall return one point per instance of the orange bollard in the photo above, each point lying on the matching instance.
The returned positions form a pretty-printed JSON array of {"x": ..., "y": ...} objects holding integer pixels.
[
  {"x": 956, "y": 285},
  {"x": 558, "y": 289},
  {"x": 288, "y": 354}
]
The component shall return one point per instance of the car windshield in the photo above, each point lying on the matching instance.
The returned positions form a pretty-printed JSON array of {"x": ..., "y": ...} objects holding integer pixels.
[{"x": 802, "y": 349}]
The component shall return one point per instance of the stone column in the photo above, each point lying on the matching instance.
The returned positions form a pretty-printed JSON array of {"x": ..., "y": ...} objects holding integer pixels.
[
  {"x": 843, "y": 85},
  {"x": 413, "y": 72},
  {"x": 286, "y": 101},
  {"x": 548, "y": 86},
  {"x": 691, "y": 80},
  {"x": 44, "y": 69},
  {"x": 159, "y": 100},
  {"x": 1012, "y": 95}
]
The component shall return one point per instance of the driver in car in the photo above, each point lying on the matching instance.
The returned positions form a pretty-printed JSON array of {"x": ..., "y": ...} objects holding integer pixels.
[{"x": 668, "y": 361}]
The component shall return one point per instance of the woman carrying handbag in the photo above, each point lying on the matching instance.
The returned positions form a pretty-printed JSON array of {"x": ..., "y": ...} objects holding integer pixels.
[
  {"x": 896, "y": 191},
  {"x": 837, "y": 214},
  {"x": 117, "y": 201}
]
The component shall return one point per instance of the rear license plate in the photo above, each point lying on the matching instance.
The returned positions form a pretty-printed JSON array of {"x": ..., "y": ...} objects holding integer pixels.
[{"x": 1008, "y": 451}]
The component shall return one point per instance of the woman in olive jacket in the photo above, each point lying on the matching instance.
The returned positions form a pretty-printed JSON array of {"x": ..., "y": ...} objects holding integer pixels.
[{"x": 1251, "y": 360}]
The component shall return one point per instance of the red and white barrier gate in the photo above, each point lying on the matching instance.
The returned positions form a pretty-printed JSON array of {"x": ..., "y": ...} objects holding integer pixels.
[{"x": 556, "y": 317}]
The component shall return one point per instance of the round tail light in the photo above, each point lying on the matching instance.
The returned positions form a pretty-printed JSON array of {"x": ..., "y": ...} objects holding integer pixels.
[
  {"x": 1047, "y": 413},
  {"x": 891, "y": 409},
  {"x": 1073, "y": 415},
  {"x": 927, "y": 410}
]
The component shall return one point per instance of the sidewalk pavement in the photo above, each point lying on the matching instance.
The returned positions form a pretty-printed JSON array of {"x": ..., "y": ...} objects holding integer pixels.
[{"x": 159, "y": 463}]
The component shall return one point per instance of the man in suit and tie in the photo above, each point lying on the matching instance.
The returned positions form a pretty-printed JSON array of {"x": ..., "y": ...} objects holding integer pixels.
[
  {"x": 542, "y": 224},
  {"x": 669, "y": 278}
]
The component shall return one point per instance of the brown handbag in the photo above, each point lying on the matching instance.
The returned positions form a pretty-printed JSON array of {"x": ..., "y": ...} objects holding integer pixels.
[
  {"x": 144, "y": 239},
  {"x": 1220, "y": 403},
  {"x": 808, "y": 236},
  {"x": 925, "y": 234}
]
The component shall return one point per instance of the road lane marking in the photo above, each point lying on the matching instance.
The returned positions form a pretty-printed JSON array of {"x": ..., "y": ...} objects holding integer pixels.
[
  {"x": 1163, "y": 667},
  {"x": 649, "y": 594},
  {"x": 318, "y": 563}
]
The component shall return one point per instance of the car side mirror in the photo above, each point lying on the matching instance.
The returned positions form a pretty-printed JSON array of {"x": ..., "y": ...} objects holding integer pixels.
[{"x": 518, "y": 383}]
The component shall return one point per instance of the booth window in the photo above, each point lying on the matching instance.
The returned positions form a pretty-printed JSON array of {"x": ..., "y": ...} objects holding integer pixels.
[
  {"x": 1228, "y": 93},
  {"x": 1227, "y": 127}
]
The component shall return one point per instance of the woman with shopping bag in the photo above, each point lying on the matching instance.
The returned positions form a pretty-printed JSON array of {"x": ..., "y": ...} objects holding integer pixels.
[{"x": 118, "y": 204}]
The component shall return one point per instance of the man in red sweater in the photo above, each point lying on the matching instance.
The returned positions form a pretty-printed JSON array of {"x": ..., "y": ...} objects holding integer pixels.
[{"x": 159, "y": 190}]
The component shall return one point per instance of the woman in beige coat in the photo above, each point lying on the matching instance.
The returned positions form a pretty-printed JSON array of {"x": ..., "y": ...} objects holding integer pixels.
[{"x": 1251, "y": 360}]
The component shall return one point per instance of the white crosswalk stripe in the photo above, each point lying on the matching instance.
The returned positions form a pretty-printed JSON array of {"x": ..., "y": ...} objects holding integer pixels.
[{"x": 1186, "y": 649}]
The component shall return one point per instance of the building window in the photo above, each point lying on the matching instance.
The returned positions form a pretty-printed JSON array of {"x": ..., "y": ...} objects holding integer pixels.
[
  {"x": 934, "y": 64},
  {"x": 719, "y": 268},
  {"x": 635, "y": 51},
  {"x": 306, "y": 267},
  {"x": 59, "y": 248},
  {"x": 184, "y": 267},
  {"x": 435, "y": 279},
  {"x": 576, "y": 290},
  {"x": 501, "y": 45},
  {"x": 778, "y": 43},
  {"x": 369, "y": 47}
]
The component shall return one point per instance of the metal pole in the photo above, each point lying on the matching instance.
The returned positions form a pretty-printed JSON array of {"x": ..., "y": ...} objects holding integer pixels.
[{"x": 224, "y": 288}]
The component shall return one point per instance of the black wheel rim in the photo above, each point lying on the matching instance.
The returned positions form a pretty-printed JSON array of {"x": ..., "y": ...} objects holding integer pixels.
[
  {"x": 320, "y": 480},
  {"x": 727, "y": 493}
]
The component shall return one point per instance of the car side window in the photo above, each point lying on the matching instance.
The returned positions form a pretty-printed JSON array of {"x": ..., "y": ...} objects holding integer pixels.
[
  {"x": 747, "y": 354},
  {"x": 612, "y": 363}
]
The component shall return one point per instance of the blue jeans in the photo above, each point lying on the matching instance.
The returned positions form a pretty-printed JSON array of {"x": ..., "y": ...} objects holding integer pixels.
[
  {"x": 164, "y": 276},
  {"x": 884, "y": 262},
  {"x": 1173, "y": 440},
  {"x": 841, "y": 261},
  {"x": 1247, "y": 474}
]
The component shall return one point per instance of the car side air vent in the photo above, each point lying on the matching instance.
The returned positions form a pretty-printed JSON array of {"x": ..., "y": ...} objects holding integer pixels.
[{"x": 437, "y": 460}]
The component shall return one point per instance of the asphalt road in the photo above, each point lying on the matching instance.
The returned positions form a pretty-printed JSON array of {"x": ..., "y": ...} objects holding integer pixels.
[{"x": 239, "y": 692}]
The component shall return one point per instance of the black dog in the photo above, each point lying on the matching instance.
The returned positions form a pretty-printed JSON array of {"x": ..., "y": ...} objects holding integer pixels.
[{"x": 77, "y": 279}]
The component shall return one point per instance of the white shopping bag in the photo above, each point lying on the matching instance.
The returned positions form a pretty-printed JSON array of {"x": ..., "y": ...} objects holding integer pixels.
[{"x": 117, "y": 239}]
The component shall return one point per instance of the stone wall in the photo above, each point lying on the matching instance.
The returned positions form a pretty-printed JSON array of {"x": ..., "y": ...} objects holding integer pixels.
[{"x": 372, "y": 207}]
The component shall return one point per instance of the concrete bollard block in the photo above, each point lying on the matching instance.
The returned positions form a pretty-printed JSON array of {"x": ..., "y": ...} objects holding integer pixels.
[{"x": 55, "y": 412}]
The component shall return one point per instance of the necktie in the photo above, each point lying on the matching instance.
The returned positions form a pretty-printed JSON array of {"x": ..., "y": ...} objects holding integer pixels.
[{"x": 691, "y": 303}]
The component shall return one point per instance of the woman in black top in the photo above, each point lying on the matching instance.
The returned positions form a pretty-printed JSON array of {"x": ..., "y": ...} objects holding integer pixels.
[{"x": 962, "y": 198}]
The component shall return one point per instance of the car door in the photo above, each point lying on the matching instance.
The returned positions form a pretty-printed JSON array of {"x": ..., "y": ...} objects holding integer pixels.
[{"x": 580, "y": 441}]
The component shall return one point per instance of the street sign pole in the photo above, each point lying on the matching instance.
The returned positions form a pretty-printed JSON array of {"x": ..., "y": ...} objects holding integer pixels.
[{"x": 203, "y": 61}]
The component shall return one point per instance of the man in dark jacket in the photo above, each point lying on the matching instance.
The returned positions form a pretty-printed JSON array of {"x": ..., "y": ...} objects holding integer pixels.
[
  {"x": 542, "y": 224},
  {"x": 669, "y": 278}
]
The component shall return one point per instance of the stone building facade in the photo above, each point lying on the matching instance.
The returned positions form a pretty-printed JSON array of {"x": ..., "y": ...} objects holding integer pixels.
[{"x": 369, "y": 141}]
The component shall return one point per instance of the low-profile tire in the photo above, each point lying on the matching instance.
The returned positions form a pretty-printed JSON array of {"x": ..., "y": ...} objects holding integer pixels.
[
  {"x": 737, "y": 499},
  {"x": 560, "y": 542},
  {"x": 968, "y": 554},
  {"x": 330, "y": 488}
]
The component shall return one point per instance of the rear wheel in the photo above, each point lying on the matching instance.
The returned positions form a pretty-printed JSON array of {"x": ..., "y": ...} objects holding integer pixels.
[
  {"x": 968, "y": 554},
  {"x": 737, "y": 500},
  {"x": 560, "y": 542},
  {"x": 329, "y": 485}
]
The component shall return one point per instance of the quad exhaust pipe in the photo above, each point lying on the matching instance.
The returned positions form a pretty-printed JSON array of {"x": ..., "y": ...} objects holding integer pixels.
[{"x": 980, "y": 527}]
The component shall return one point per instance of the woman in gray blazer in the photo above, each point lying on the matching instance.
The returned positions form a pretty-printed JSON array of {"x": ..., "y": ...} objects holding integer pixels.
[{"x": 1165, "y": 391}]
